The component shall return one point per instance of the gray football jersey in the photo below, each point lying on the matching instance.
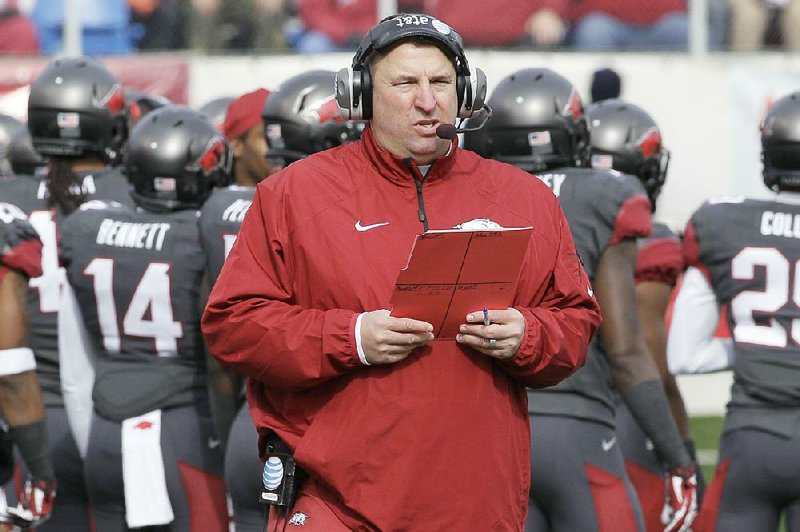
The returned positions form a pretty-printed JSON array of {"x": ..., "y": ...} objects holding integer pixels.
[
  {"x": 137, "y": 277},
  {"x": 750, "y": 253},
  {"x": 602, "y": 207},
  {"x": 30, "y": 194},
  {"x": 220, "y": 219}
]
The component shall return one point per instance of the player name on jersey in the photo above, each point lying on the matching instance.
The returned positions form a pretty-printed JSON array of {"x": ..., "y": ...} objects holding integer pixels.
[
  {"x": 780, "y": 224},
  {"x": 87, "y": 188},
  {"x": 235, "y": 211},
  {"x": 131, "y": 234}
]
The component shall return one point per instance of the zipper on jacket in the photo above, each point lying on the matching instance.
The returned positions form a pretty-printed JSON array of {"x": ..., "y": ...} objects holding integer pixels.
[{"x": 418, "y": 184}]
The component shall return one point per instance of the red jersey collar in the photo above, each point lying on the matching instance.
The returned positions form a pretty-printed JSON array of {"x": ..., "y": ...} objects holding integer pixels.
[{"x": 394, "y": 168}]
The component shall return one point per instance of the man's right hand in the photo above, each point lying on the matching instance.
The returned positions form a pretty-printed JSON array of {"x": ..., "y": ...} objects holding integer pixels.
[
  {"x": 680, "y": 507},
  {"x": 386, "y": 339}
]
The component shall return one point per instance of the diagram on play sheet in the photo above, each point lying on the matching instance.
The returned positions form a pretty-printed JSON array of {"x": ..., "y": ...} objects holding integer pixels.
[{"x": 451, "y": 273}]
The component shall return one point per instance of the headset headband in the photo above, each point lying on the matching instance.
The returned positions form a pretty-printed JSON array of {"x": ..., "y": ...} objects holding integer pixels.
[{"x": 405, "y": 26}]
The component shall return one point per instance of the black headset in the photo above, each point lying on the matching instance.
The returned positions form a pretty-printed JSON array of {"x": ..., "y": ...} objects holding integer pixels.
[{"x": 354, "y": 84}]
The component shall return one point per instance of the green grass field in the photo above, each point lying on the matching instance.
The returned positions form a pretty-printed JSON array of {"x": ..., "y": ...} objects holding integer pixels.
[{"x": 706, "y": 431}]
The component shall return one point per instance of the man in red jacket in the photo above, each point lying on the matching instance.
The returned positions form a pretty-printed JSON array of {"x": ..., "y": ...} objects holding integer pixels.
[{"x": 396, "y": 429}]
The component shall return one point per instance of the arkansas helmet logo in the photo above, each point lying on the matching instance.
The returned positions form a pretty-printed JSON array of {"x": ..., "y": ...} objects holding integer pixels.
[
  {"x": 650, "y": 143},
  {"x": 213, "y": 157},
  {"x": 326, "y": 111},
  {"x": 574, "y": 107},
  {"x": 113, "y": 100}
]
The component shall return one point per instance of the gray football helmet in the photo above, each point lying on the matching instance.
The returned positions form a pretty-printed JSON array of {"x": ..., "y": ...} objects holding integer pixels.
[
  {"x": 77, "y": 107},
  {"x": 538, "y": 123},
  {"x": 302, "y": 117},
  {"x": 216, "y": 109},
  {"x": 624, "y": 137},
  {"x": 175, "y": 157},
  {"x": 780, "y": 144}
]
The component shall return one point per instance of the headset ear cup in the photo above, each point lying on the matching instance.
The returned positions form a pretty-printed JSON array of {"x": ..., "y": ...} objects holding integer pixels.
[
  {"x": 475, "y": 96},
  {"x": 479, "y": 88},
  {"x": 345, "y": 92},
  {"x": 366, "y": 93},
  {"x": 463, "y": 98}
]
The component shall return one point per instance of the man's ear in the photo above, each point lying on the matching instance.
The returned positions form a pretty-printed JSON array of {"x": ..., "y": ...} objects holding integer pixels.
[{"x": 237, "y": 146}]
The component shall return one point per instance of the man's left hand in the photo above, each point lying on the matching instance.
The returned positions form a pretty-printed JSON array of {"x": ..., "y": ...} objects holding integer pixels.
[{"x": 500, "y": 339}]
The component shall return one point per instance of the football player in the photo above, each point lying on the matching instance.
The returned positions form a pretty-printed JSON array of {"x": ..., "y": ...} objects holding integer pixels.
[
  {"x": 135, "y": 382},
  {"x": 578, "y": 478},
  {"x": 78, "y": 122},
  {"x": 624, "y": 137},
  {"x": 21, "y": 404},
  {"x": 296, "y": 120},
  {"x": 744, "y": 254}
]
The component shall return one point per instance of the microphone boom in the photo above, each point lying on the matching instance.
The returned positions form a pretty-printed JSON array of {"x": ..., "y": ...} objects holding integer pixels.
[{"x": 449, "y": 131}]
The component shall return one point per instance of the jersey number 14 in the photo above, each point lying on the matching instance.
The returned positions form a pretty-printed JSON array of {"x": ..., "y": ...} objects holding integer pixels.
[{"x": 152, "y": 293}]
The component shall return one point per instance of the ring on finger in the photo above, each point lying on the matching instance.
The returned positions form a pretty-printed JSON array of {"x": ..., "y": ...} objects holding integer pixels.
[{"x": 492, "y": 343}]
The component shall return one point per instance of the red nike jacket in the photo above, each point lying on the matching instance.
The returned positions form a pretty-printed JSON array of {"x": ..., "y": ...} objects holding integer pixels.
[{"x": 439, "y": 441}]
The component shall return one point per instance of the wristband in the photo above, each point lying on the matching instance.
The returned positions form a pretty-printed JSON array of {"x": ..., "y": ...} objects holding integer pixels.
[
  {"x": 690, "y": 448},
  {"x": 16, "y": 360},
  {"x": 362, "y": 356},
  {"x": 649, "y": 406},
  {"x": 31, "y": 439}
]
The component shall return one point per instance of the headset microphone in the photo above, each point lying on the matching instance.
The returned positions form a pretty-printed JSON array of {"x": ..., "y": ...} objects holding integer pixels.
[{"x": 449, "y": 131}]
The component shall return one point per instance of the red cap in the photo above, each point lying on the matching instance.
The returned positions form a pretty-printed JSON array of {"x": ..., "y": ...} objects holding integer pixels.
[{"x": 244, "y": 113}]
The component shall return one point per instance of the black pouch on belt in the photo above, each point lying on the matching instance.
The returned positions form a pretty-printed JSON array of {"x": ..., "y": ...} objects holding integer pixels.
[{"x": 281, "y": 475}]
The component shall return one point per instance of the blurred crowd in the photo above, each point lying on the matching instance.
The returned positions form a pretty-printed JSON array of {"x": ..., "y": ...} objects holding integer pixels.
[{"x": 116, "y": 27}]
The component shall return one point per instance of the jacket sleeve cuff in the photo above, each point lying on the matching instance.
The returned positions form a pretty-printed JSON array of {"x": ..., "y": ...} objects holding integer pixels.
[
  {"x": 362, "y": 356},
  {"x": 528, "y": 349},
  {"x": 542, "y": 359}
]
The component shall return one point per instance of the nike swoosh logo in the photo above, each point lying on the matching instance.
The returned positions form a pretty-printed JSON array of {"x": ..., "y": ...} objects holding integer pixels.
[
  {"x": 363, "y": 228},
  {"x": 607, "y": 445},
  {"x": 590, "y": 291},
  {"x": 213, "y": 443}
]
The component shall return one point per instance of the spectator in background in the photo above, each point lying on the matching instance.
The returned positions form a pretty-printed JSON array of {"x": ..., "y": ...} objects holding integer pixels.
[
  {"x": 158, "y": 24},
  {"x": 336, "y": 25},
  {"x": 239, "y": 24},
  {"x": 630, "y": 24},
  {"x": 606, "y": 84},
  {"x": 751, "y": 21},
  {"x": 18, "y": 33},
  {"x": 523, "y": 23},
  {"x": 719, "y": 14},
  {"x": 106, "y": 26}
]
